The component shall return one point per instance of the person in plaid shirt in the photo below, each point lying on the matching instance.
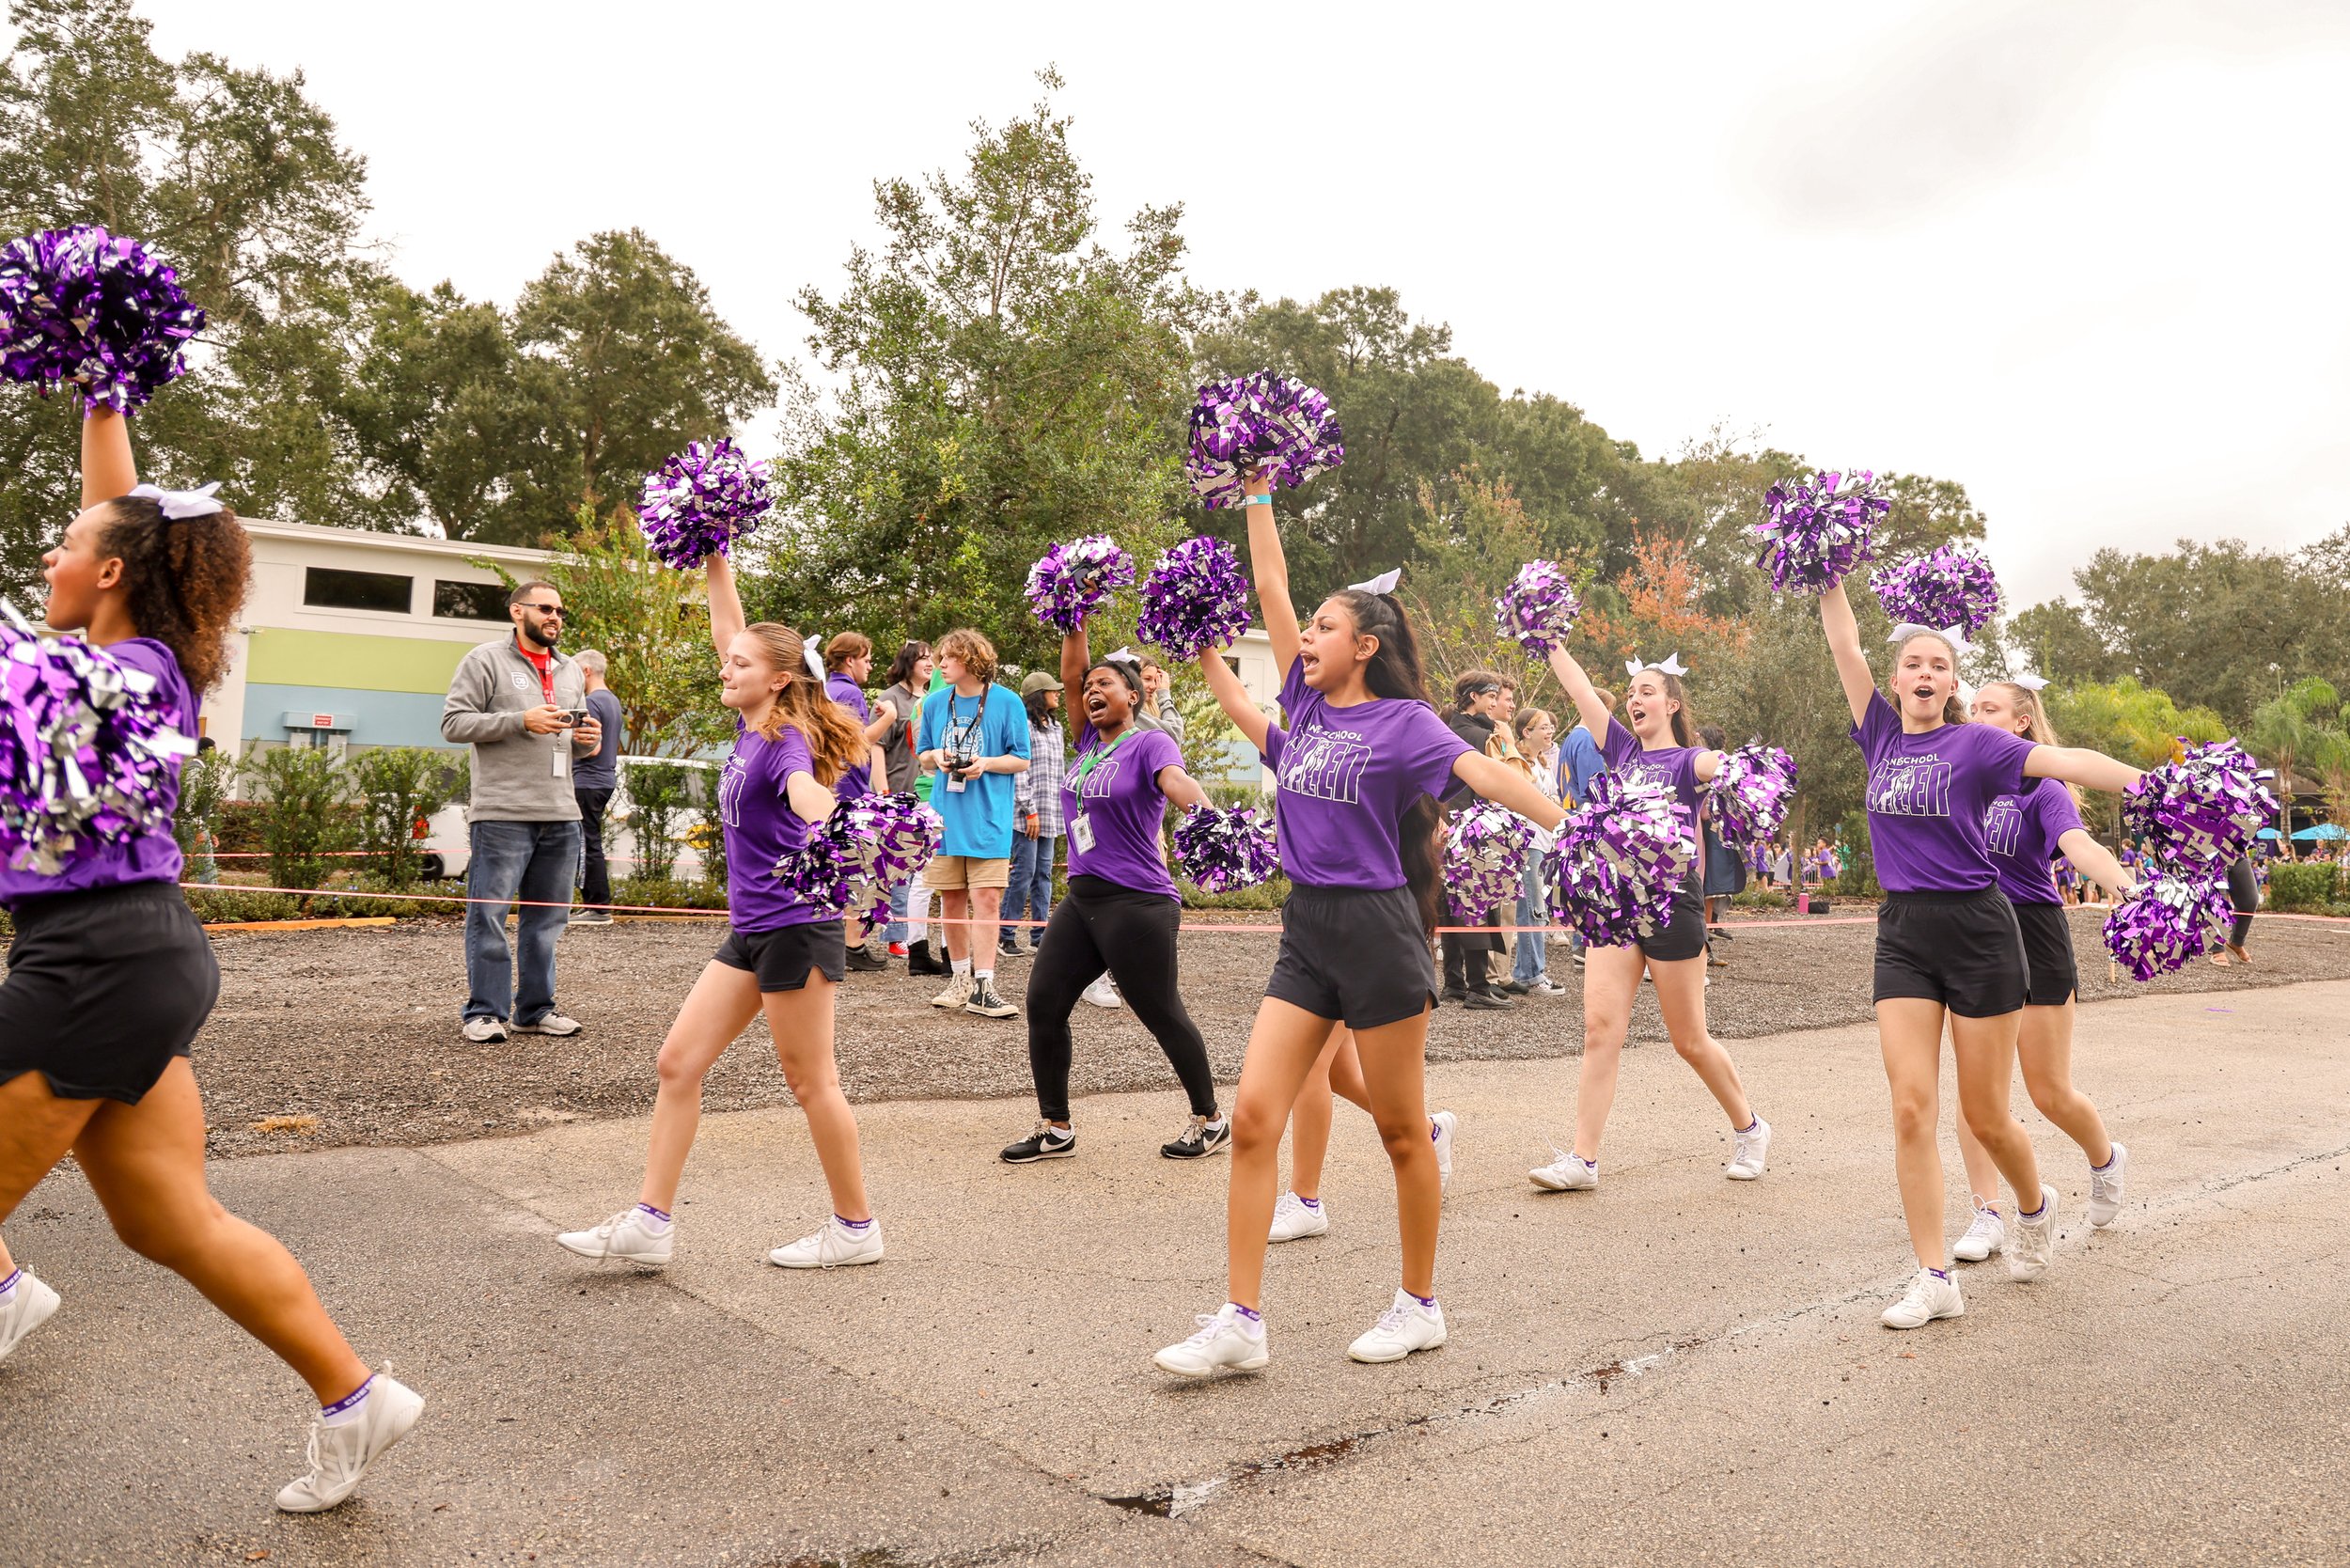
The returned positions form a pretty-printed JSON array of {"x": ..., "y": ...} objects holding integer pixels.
[{"x": 1036, "y": 825}]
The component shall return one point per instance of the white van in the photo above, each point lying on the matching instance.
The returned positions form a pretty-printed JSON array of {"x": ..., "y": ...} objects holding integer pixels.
[{"x": 449, "y": 847}]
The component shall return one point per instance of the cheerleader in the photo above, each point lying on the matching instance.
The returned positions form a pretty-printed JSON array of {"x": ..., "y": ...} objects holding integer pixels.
[
  {"x": 1121, "y": 915},
  {"x": 111, "y": 977},
  {"x": 1660, "y": 747},
  {"x": 2024, "y": 831},
  {"x": 1360, "y": 766},
  {"x": 1300, "y": 1212},
  {"x": 782, "y": 955},
  {"x": 1948, "y": 942}
]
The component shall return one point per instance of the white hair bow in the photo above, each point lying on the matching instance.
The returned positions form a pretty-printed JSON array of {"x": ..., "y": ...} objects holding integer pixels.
[
  {"x": 1124, "y": 656},
  {"x": 812, "y": 655},
  {"x": 1383, "y": 583},
  {"x": 1670, "y": 666},
  {"x": 1954, "y": 635},
  {"x": 2030, "y": 683},
  {"x": 180, "y": 505}
]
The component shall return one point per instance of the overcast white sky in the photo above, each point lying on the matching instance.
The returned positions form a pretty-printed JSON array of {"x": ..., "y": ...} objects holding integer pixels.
[{"x": 2085, "y": 257}]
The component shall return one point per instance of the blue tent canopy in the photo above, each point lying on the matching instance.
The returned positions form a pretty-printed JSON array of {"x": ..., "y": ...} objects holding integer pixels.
[{"x": 2323, "y": 830}]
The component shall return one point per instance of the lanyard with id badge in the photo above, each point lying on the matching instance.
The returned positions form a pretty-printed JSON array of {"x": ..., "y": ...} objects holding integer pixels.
[
  {"x": 1080, "y": 825},
  {"x": 960, "y": 744}
]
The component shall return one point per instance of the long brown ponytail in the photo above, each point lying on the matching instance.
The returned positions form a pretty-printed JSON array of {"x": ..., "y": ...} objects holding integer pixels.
[
  {"x": 1396, "y": 671},
  {"x": 835, "y": 742}
]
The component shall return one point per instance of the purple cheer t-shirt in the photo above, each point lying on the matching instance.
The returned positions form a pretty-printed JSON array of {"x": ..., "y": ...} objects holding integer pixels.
[
  {"x": 1673, "y": 766},
  {"x": 857, "y": 780},
  {"x": 144, "y": 857},
  {"x": 2021, "y": 831},
  {"x": 755, "y": 813},
  {"x": 1346, "y": 776},
  {"x": 1119, "y": 795},
  {"x": 1927, "y": 796}
]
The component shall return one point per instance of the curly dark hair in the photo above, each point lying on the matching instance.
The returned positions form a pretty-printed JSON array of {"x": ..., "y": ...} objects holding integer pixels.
[{"x": 184, "y": 580}]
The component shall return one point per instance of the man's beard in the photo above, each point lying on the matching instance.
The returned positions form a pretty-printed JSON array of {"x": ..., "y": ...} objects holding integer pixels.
[{"x": 544, "y": 636}]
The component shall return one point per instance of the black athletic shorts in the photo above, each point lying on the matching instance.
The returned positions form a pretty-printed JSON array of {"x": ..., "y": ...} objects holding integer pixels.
[
  {"x": 1683, "y": 936},
  {"x": 1359, "y": 955},
  {"x": 1962, "y": 949},
  {"x": 2048, "y": 953},
  {"x": 782, "y": 958},
  {"x": 104, "y": 988}
]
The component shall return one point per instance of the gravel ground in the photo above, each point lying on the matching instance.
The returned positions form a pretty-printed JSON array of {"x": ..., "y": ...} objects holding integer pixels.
[{"x": 351, "y": 1036}]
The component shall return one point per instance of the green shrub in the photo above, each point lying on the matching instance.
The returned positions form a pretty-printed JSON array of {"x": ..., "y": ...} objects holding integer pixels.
[
  {"x": 344, "y": 907},
  {"x": 2307, "y": 888},
  {"x": 658, "y": 794},
  {"x": 204, "y": 782},
  {"x": 1758, "y": 897},
  {"x": 661, "y": 892},
  {"x": 397, "y": 786},
  {"x": 307, "y": 815},
  {"x": 218, "y": 905},
  {"x": 709, "y": 839},
  {"x": 1858, "y": 879},
  {"x": 1264, "y": 896}
]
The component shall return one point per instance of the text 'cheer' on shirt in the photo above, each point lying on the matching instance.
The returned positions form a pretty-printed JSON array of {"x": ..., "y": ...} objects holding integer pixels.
[
  {"x": 993, "y": 724},
  {"x": 2021, "y": 831},
  {"x": 755, "y": 814},
  {"x": 1673, "y": 766},
  {"x": 1927, "y": 796},
  {"x": 1346, "y": 776},
  {"x": 857, "y": 780},
  {"x": 142, "y": 857},
  {"x": 1115, "y": 789}
]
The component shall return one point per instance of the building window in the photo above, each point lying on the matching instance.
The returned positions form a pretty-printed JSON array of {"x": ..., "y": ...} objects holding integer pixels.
[
  {"x": 469, "y": 601},
  {"x": 331, "y": 589}
]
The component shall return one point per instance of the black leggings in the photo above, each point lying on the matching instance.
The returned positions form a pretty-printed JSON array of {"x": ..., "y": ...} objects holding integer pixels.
[
  {"x": 1100, "y": 925},
  {"x": 2243, "y": 891}
]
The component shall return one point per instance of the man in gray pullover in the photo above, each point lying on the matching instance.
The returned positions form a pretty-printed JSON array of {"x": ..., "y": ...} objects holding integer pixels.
[{"x": 518, "y": 703}]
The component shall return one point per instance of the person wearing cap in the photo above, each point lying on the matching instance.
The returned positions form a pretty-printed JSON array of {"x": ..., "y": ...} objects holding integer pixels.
[{"x": 1036, "y": 816}]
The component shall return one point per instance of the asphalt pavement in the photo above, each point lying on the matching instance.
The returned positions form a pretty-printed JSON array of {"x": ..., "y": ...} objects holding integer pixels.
[{"x": 1673, "y": 1369}]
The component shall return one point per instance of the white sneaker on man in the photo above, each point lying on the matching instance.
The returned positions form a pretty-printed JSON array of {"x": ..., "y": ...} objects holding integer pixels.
[
  {"x": 628, "y": 1236},
  {"x": 339, "y": 1455},
  {"x": 2035, "y": 1239},
  {"x": 551, "y": 1023},
  {"x": 484, "y": 1030},
  {"x": 1228, "y": 1338},
  {"x": 29, "y": 1307},
  {"x": 1409, "y": 1325},
  {"x": 833, "y": 1245},
  {"x": 1294, "y": 1220},
  {"x": 1441, "y": 1125},
  {"x": 1752, "y": 1153},
  {"x": 1930, "y": 1296},
  {"x": 2105, "y": 1189},
  {"x": 1103, "y": 993},
  {"x": 1986, "y": 1235},
  {"x": 1567, "y": 1173},
  {"x": 957, "y": 992}
]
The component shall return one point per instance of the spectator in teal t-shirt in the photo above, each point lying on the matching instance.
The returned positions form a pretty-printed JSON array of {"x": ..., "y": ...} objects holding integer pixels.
[{"x": 974, "y": 735}]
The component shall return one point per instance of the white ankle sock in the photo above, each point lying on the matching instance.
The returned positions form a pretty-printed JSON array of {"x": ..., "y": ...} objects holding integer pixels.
[
  {"x": 7, "y": 1286},
  {"x": 961, "y": 965},
  {"x": 350, "y": 1407},
  {"x": 984, "y": 976}
]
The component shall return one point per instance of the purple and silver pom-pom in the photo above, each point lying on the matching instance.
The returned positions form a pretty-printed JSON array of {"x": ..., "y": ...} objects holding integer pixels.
[
  {"x": 1260, "y": 421},
  {"x": 1065, "y": 586},
  {"x": 1818, "y": 529},
  {"x": 2167, "y": 921},
  {"x": 83, "y": 309},
  {"x": 700, "y": 501},
  {"x": 2205, "y": 812},
  {"x": 1222, "y": 852},
  {"x": 1195, "y": 599},
  {"x": 88, "y": 757},
  {"x": 1751, "y": 794},
  {"x": 1484, "y": 858},
  {"x": 1621, "y": 858},
  {"x": 1538, "y": 609},
  {"x": 1947, "y": 585},
  {"x": 869, "y": 846}
]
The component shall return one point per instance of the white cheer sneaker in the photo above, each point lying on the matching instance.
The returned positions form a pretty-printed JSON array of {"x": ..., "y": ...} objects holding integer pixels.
[
  {"x": 1294, "y": 1220},
  {"x": 2104, "y": 1189},
  {"x": 832, "y": 1244},
  {"x": 1747, "y": 1161},
  {"x": 1409, "y": 1325},
  {"x": 1930, "y": 1296},
  {"x": 339, "y": 1455},
  {"x": 628, "y": 1236},
  {"x": 2035, "y": 1239},
  {"x": 29, "y": 1307},
  {"x": 1986, "y": 1235},
  {"x": 1443, "y": 1124},
  {"x": 1228, "y": 1339},
  {"x": 1567, "y": 1173}
]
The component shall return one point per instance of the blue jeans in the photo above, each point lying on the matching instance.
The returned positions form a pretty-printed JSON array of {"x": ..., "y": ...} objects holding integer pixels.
[
  {"x": 1030, "y": 897},
  {"x": 532, "y": 861},
  {"x": 897, "y": 929},
  {"x": 1531, "y": 963}
]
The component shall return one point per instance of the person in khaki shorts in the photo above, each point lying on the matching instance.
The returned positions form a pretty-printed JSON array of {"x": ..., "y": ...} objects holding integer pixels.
[{"x": 975, "y": 735}]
